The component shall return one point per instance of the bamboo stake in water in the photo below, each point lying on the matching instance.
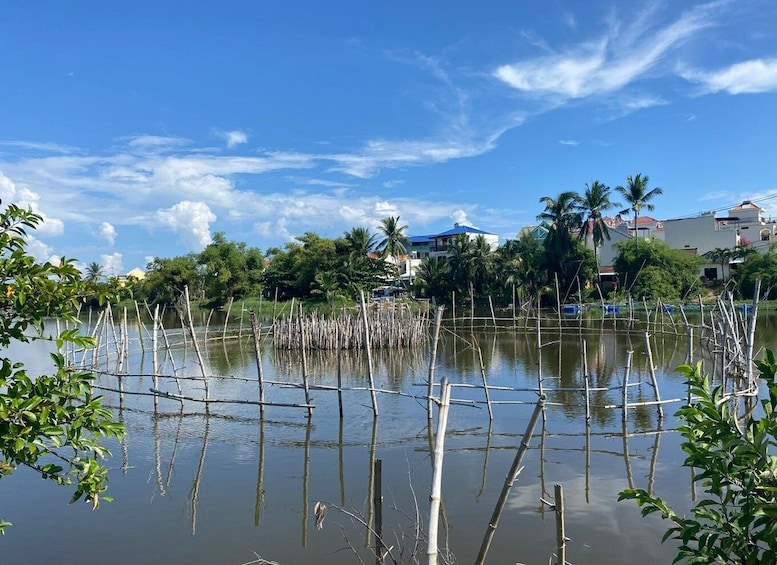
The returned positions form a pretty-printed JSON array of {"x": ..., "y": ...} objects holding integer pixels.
[
  {"x": 196, "y": 345},
  {"x": 369, "y": 355},
  {"x": 439, "y": 446},
  {"x": 433, "y": 359},
  {"x": 377, "y": 502},
  {"x": 154, "y": 358},
  {"x": 304, "y": 360},
  {"x": 561, "y": 540},
  {"x": 626, "y": 375},
  {"x": 512, "y": 476},
  {"x": 256, "y": 330},
  {"x": 653, "y": 380},
  {"x": 483, "y": 376},
  {"x": 226, "y": 318}
]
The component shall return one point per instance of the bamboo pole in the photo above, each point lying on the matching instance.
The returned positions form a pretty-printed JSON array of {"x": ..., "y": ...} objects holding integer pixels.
[
  {"x": 369, "y": 355},
  {"x": 257, "y": 333},
  {"x": 483, "y": 376},
  {"x": 433, "y": 359},
  {"x": 512, "y": 476},
  {"x": 140, "y": 327},
  {"x": 626, "y": 374},
  {"x": 561, "y": 539},
  {"x": 196, "y": 345},
  {"x": 339, "y": 373},
  {"x": 653, "y": 380},
  {"x": 226, "y": 318},
  {"x": 304, "y": 360},
  {"x": 154, "y": 358},
  {"x": 439, "y": 446},
  {"x": 377, "y": 502}
]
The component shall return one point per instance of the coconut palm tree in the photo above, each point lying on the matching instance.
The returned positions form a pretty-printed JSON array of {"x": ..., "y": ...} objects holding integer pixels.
[
  {"x": 637, "y": 196},
  {"x": 592, "y": 204},
  {"x": 564, "y": 217},
  {"x": 722, "y": 256},
  {"x": 360, "y": 241},
  {"x": 394, "y": 238},
  {"x": 94, "y": 272}
]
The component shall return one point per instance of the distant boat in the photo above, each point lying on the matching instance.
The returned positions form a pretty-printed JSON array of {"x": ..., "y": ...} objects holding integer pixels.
[
  {"x": 611, "y": 309},
  {"x": 571, "y": 309},
  {"x": 745, "y": 308},
  {"x": 668, "y": 308}
]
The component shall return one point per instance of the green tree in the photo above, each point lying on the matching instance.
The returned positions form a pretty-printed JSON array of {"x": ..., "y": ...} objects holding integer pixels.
[
  {"x": 230, "y": 269},
  {"x": 722, "y": 256},
  {"x": 637, "y": 197},
  {"x": 94, "y": 272},
  {"x": 736, "y": 520},
  {"x": 593, "y": 204},
  {"x": 49, "y": 424},
  {"x": 433, "y": 279},
  {"x": 758, "y": 266},
  {"x": 563, "y": 216},
  {"x": 360, "y": 242},
  {"x": 165, "y": 278},
  {"x": 394, "y": 238},
  {"x": 655, "y": 271}
]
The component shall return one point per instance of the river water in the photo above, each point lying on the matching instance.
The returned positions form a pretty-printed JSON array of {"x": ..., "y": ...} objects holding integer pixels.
[{"x": 230, "y": 487}]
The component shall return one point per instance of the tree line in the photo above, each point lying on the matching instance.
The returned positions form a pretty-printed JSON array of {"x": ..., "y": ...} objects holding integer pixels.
[{"x": 564, "y": 261}]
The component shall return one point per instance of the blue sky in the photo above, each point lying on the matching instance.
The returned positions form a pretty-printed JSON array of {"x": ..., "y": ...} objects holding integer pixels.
[{"x": 140, "y": 129}]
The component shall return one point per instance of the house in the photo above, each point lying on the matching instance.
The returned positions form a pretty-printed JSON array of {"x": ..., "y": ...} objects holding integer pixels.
[
  {"x": 442, "y": 240},
  {"x": 136, "y": 273}
]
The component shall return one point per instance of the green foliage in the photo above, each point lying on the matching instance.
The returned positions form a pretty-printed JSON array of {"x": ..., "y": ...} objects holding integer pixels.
[
  {"x": 757, "y": 266},
  {"x": 736, "y": 522},
  {"x": 230, "y": 269},
  {"x": 653, "y": 270},
  {"x": 48, "y": 423},
  {"x": 165, "y": 279}
]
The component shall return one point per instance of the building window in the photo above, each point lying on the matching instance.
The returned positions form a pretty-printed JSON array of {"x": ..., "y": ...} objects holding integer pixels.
[
  {"x": 764, "y": 235},
  {"x": 711, "y": 273}
]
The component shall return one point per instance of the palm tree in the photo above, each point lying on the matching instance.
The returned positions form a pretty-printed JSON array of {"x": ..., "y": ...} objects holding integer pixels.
[
  {"x": 637, "y": 196},
  {"x": 563, "y": 216},
  {"x": 481, "y": 258},
  {"x": 720, "y": 255},
  {"x": 94, "y": 272},
  {"x": 594, "y": 202},
  {"x": 394, "y": 238},
  {"x": 360, "y": 241}
]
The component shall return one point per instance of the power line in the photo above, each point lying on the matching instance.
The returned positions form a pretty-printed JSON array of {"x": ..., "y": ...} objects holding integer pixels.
[{"x": 725, "y": 208}]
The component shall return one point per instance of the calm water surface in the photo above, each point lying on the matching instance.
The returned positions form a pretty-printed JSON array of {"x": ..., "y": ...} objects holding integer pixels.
[{"x": 228, "y": 487}]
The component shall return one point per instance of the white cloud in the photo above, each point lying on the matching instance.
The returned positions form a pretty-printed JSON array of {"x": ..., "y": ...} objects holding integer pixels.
[
  {"x": 112, "y": 264},
  {"x": 7, "y": 189},
  {"x": 39, "y": 250},
  {"x": 385, "y": 209},
  {"x": 26, "y": 198},
  {"x": 568, "y": 142},
  {"x": 460, "y": 217},
  {"x": 191, "y": 221},
  {"x": 148, "y": 259},
  {"x": 748, "y": 77},
  {"x": 154, "y": 142},
  {"x": 609, "y": 63},
  {"x": 108, "y": 233},
  {"x": 234, "y": 138}
]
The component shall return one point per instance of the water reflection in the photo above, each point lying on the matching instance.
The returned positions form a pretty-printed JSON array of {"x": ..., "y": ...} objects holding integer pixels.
[{"x": 238, "y": 467}]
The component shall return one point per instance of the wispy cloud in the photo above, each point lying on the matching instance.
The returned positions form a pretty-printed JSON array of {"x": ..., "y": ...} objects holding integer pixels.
[
  {"x": 568, "y": 142},
  {"x": 234, "y": 138},
  {"x": 748, "y": 77},
  {"x": 607, "y": 64}
]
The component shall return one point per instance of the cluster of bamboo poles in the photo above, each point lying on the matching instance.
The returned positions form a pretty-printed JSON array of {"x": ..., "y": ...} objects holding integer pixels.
[
  {"x": 729, "y": 332},
  {"x": 390, "y": 326}
]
